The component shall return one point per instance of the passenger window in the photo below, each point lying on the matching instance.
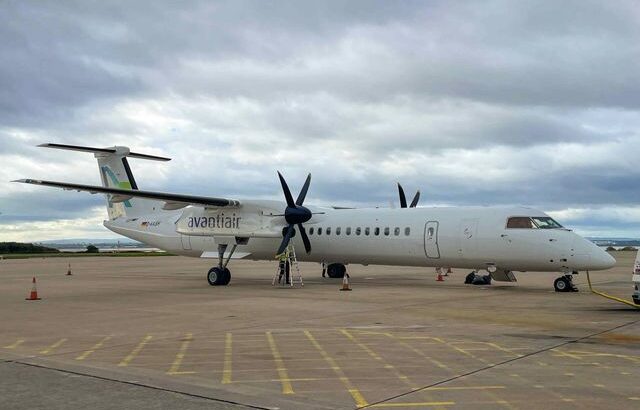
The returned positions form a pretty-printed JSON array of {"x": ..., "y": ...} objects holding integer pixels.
[
  {"x": 376, "y": 231},
  {"x": 386, "y": 231},
  {"x": 338, "y": 230},
  {"x": 319, "y": 231},
  {"x": 329, "y": 231},
  {"x": 348, "y": 230},
  {"x": 407, "y": 231},
  {"x": 358, "y": 231},
  {"x": 311, "y": 231},
  {"x": 430, "y": 233},
  {"x": 520, "y": 222},
  {"x": 366, "y": 231},
  {"x": 396, "y": 231}
]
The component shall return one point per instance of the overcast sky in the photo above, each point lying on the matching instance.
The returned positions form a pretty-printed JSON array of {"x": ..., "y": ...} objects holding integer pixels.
[{"x": 490, "y": 103}]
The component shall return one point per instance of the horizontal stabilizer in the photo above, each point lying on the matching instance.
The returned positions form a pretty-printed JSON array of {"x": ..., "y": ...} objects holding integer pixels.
[
  {"x": 171, "y": 200},
  {"x": 112, "y": 150}
]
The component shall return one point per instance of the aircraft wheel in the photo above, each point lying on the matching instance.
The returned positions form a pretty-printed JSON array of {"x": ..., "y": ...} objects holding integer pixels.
[
  {"x": 218, "y": 277},
  {"x": 562, "y": 284},
  {"x": 336, "y": 270},
  {"x": 469, "y": 278}
]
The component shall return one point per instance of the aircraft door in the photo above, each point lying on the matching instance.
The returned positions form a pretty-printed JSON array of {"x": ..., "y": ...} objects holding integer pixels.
[
  {"x": 431, "y": 240},
  {"x": 186, "y": 242}
]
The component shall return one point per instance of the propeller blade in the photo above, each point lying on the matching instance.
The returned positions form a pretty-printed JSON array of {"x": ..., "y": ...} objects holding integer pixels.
[
  {"x": 416, "y": 198},
  {"x": 303, "y": 191},
  {"x": 403, "y": 198},
  {"x": 305, "y": 238},
  {"x": 285, "y": 240},
  {"x": 287, "y": 192}
]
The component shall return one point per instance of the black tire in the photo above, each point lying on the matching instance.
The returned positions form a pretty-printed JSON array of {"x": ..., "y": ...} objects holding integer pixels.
[
  {"x": 562, "y": 284},
  {"x": 469, "y": 278},
  {"x": 218, "y": 277},
  {"x": 336, "y": 270}
]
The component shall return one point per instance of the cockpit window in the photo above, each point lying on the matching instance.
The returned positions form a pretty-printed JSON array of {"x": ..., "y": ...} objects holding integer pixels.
[
  {"x": 545, "y": 222},
  {"x": 520, "y": 222},
  {"x": 534, "y": 222}
]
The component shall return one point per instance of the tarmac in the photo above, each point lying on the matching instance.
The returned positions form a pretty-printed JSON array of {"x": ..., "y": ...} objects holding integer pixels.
[{"x": 149, "y": 332}]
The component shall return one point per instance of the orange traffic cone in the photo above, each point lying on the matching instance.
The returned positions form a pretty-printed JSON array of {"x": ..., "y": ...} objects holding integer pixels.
[
  {"x": 69, "y": 270},
  {"x": 34, "y": 292},
  {"x": 447, "y": 272},
  {"x": 345, "y": 282},
  {"x": 439, "y": 278}
]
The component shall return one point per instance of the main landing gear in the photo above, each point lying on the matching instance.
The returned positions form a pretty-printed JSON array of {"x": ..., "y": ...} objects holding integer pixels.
[
  {"x": 336, "y": 270},
  {"x": 565, "y": 283},
  {"x": 474, "y": 278},
  {"x": 220, "y": 275}
]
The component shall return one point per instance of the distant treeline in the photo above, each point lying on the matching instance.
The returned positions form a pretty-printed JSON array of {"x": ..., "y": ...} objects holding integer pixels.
[
  {"x": 626, "y": 248},
  {"x": 17, "y": 247}
]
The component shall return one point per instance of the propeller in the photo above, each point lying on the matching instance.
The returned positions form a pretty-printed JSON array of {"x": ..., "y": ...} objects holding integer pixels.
[
  {"x": 403, "y": 198},
  {"x": 295, "y": 214}
]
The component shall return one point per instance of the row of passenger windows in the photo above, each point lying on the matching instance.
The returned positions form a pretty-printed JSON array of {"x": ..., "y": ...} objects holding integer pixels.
[{"x": 358, "y": 231}]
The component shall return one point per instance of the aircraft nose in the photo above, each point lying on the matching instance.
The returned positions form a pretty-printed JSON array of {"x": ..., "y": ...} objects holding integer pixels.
[{"x": 602, "y": 260}]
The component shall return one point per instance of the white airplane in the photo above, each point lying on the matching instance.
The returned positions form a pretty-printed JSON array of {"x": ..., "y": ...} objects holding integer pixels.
[{"x": 500, "y": 240}]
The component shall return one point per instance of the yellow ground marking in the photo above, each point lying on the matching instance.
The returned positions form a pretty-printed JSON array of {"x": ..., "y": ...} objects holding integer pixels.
[
  {"x": 418, "y": 404},
  {"x": 620, "y": 356},
  {"x": 420, "y": 352},
  {"x": 125, "y": 362},
  {"x": 14, "y": 344},
  {"x": 504, "y": 349},
  {"x": 634, "y": 398},
  {"x": 464, "y": 352},
  {"x": 53, "y": 346},
  {"x": 226, "y": 372},
  {"x": 282, "y": 370},
  {"x": 376, "y": 356},
  {"x": 93, "y": 348},
  {"x": 466, "y": 388},
  {"x": 175, "y": 366},
  {"x": 355, "y": 393},
  {"x": 566, "y": 354}
]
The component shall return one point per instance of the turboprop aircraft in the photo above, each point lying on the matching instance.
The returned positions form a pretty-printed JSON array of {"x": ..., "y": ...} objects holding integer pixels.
[{"x": 500, "y": 240}]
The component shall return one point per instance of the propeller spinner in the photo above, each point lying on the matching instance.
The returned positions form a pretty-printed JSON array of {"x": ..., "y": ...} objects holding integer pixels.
[{"x": 295, "y": 214}]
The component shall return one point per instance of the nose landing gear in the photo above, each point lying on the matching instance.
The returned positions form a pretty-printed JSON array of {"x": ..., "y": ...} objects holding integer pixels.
[{"x": 565, "y": 284}]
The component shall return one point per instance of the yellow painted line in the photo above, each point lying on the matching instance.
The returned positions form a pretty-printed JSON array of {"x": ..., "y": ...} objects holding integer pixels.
[
  {"x": 604, "y": 295},
  {"x": 420, "y": 353},
  {"x": 373, "y": 354},
  {"x": 93, "y": 348},
  {"x": 53, "y": 346},
  {"x": 620, "y": 356},
  {"x": 418, "y": 404},
  {"x": 499, "y": 400},
  {"x": 226, "y": 372},
  {"x": 282, "y": 370},
  {"x": 125, "y": 362},
  {"x": 175, "y": 366},
  {"x": 566, "y": 354},
  {"x": 467, "y": 388},
  {"x": 504, "y": 349},
  {"x": 14, "y": 344},
  {"x": 355, "y": 393}
]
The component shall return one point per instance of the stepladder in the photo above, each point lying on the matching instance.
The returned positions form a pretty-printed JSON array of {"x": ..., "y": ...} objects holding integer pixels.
[{"x": 288, "y": 270}]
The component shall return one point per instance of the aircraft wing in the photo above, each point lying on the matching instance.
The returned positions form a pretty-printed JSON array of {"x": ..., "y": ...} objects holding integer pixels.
[{"x": 172, "y": 201}]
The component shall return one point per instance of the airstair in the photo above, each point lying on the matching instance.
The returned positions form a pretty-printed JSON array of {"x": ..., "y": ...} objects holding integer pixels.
[{"x": 288, "y": 280}]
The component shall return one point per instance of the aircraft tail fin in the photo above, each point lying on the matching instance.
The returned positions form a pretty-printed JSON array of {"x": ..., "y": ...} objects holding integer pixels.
[{"x": 115, "y": 172}]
